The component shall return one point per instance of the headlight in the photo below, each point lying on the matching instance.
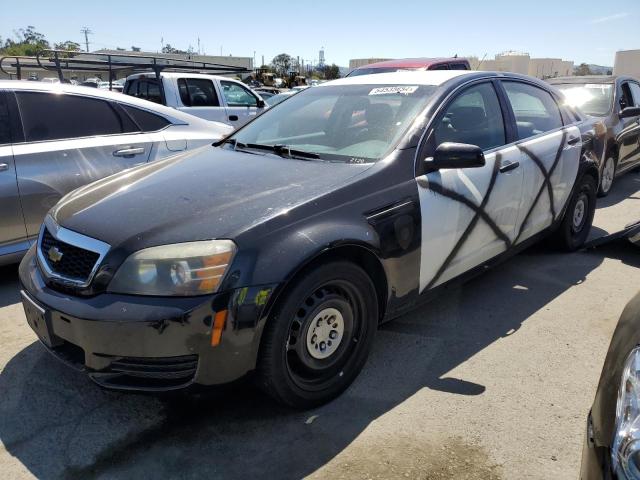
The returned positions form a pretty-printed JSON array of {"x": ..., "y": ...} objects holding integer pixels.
[
  {"x": 625, "y": 454},
  {"x": 182, "y": 269}
]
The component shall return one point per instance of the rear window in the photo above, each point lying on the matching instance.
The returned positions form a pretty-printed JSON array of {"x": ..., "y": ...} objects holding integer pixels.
[
  {"x": 147, "y": 89},
  {"x": 50, "y": 116},
  {"x": 198, "y": 92},
  {"x": 147, "y": 121}
]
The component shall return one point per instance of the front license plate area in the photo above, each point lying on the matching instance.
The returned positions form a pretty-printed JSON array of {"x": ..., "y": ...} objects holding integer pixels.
[{"x": 37, "y": 318}]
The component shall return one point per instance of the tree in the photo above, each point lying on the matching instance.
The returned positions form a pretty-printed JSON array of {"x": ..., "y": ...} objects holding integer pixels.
[
  {"x": 169, "y": 49},
  {"x": 582, "y": 69},
  {"x": 282, "y": 63},
  {"x": 28, "y": 42},
  {"x": 331, "y": 72},
  {"x": 68, "y": 45}
]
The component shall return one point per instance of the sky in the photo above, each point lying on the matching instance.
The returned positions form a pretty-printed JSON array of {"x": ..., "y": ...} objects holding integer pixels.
[{"x": 588, "y": 31}]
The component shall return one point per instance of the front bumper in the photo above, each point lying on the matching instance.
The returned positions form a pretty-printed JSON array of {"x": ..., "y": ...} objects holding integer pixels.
[
  {"x": 149, "y": 343},
  {"x": 595, "y": 463}
]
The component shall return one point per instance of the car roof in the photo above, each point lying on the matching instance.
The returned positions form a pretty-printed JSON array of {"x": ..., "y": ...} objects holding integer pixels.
[
  {"x": 584, "y": 79},
  {"x": 25, "y": 85},
  {"x": 179, "y": 75},
  {"x": 412, "y": 62},
  {"x": 406, "y": 77}
]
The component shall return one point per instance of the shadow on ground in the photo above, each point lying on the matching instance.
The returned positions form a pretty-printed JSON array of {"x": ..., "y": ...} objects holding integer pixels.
[{"x": 60, "y": 425}]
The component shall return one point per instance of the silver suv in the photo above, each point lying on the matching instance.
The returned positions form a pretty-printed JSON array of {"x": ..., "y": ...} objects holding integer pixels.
[{"x": 55, "y": 138}]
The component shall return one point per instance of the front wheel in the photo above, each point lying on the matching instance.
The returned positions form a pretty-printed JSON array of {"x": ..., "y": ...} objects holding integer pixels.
[
  {"x": 318, "y": 339},
  {"x": 578, "y": 217},
  {"x": 608, "y": 175}
]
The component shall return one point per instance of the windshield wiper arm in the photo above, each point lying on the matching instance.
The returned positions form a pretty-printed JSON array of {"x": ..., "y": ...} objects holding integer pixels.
[{"x": 284, "y": 151}]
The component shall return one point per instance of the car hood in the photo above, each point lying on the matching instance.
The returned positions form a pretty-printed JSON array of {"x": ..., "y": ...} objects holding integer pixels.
[{"x": 204, "y": 194}]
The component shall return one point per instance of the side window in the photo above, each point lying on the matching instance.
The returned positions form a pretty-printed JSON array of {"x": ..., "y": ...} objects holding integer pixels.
[
  {"x": 442, "y": 66},
  {"x": 535, "y": 110},
  {"x": 635, "y": 93},
  {"x": 197, "y": 92},
  {"x": 48, "y": 116},
  {"x": 237, "y": 96},
  {"x": 132, "y": 88},
  {"x": 5, "y": 132},
  {"x": 147, "y": 121},
  {"x": 474, "y": 117},
  {"x": 625, "y": 97}
]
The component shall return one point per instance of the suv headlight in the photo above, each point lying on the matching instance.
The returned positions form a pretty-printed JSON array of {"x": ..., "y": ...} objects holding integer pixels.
[
  {"x": 181, "y": 269},
  {"x": 625, "y": 454}
]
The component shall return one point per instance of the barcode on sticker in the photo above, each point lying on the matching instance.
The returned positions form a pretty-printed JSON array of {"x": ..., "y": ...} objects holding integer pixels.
[{"x": 403, "y": 90}]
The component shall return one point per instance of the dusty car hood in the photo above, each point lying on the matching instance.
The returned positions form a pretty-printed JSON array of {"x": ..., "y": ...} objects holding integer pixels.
[{"x": 207, "y": 193}]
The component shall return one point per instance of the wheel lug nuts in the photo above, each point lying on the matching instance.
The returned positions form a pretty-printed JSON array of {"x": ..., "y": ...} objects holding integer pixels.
[
  {"x": 314, "y": 339},
  {"x": 323, "y": 346},
  {"x": 333, "y": 334}
]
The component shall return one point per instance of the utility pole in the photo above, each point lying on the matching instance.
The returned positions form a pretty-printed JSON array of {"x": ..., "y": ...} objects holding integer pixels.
[
  {"x": 86, "y": 31},
  {"x": 198, "y": 45}
]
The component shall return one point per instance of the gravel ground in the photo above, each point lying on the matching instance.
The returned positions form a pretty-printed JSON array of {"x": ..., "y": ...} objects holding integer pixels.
[{"x": 491, "y": 381}]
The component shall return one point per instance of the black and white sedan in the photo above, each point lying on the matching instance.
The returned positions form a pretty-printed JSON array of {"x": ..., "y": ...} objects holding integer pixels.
[{"x": 280, "y": 250}]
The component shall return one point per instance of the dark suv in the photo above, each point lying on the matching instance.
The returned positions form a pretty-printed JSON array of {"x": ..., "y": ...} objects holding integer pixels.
[
  {"x": 616, "y": 101},
  {"x": 412, "y": 64}
]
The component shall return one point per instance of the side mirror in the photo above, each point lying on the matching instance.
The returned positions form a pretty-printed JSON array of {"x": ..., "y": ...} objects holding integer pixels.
[
  {"x": 260, "y": 103},
  {"x": 630, "y": 112},
  {"x": 456, "y": 155}
]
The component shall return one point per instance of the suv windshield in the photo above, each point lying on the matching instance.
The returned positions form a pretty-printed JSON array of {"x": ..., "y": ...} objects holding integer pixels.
[
  {"x": 592, "y": 98},
  {"x": 352, "y": 123}
]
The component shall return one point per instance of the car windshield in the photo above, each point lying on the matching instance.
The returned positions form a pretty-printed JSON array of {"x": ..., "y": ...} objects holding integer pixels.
[
  {"x": 592, "y": 98},
  {"x": 352, "y": 123}
]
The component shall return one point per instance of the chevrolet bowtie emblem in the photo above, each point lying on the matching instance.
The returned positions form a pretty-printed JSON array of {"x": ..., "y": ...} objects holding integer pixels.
[{"x": 54, "y": 254}]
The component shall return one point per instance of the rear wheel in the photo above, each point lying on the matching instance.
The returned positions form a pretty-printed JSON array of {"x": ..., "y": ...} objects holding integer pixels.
[
  {"x": 608, "y": 176},
  {"x": 319, "y": 337},
  {"x": 576, "y": 224}
]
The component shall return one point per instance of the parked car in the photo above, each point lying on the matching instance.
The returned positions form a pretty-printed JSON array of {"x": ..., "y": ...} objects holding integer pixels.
[
  {"x": 419, "y": 64},
  {"x": 114, "y": 87},
  {"x": 280, "y": 250},
  {"x": 616, "y": 102},
  {"x": 276, "y": 99},
  {"x": 611, "y": 449},
  {"x": 206, "y": 96},
  {"x": 57, "y": 137}
]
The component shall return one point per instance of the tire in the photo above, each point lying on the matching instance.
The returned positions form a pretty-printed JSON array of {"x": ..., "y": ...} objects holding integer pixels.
[
  {"x": 608, "y": 176},
  {"x": 300, "y": 362},
  {"x": 577, "y": 220}
]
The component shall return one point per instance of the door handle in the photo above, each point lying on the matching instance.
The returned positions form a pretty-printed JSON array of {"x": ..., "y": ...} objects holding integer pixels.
[
  {"x": 3, "y": 167},
  {"x": 129, "y": 152},
  {"x": 573, "y": 140},
  {"x": 233, "y": 118},
  {"x": 509, "y": 166}
]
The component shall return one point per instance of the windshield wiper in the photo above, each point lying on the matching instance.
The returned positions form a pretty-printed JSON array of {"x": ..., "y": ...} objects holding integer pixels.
[{"x": 284, "y": 151}]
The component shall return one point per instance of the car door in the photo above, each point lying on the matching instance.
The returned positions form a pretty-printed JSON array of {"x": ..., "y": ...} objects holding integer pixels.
[
  {"x": 469, "y": 215},
  {"x": 200, "y": 97},
  {"x": 549, "y": 154},
  {"x": 629, "y": 136},
  {"x": 241, "y": 103},
  {"x": 13, "y": 236},
  {"x": 70, "y": 140}
]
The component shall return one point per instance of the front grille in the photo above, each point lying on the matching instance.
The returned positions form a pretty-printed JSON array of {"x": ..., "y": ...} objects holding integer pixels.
[{"x": 75, "y": 263}]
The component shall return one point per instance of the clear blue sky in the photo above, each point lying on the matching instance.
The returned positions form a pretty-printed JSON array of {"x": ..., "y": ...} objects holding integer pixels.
[{"x": 583, "y": 31}]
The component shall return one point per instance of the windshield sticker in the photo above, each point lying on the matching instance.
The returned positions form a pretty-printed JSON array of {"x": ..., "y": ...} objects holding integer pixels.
[{"x": 403, "y": 90}]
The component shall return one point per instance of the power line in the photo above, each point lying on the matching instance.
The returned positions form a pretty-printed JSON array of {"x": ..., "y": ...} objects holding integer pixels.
[{"x": 86, "y": 31}]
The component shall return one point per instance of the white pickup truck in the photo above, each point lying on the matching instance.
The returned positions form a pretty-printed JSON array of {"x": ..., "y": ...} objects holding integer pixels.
[{"x": 210, "y": 97}]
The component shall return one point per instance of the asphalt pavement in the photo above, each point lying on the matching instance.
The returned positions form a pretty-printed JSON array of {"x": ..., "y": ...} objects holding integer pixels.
[{"x": 491, "y": 380}]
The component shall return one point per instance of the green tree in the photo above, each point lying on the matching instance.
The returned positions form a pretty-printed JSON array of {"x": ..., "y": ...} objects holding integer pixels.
[
  {"x": 282, "y": 63},
  {"x": 331, "y": 72},
  {"x": 27, "y": 42},
  {"x": 169, "y": 49},
  {"x": 582, "y": 69},
  {"x": 68, "y": 45}
]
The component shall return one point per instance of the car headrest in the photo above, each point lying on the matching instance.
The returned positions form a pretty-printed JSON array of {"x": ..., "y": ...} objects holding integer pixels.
[
  {"x": 467, "y": 118},
  {"x": 379, "y": 115}
]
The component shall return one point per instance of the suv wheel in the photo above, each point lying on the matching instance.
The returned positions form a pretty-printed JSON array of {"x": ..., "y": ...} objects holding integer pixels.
[
  {"x": 608, "y": 175},
  {"x": 576, "y": 224},
  {"x": 318, "y": 339}
]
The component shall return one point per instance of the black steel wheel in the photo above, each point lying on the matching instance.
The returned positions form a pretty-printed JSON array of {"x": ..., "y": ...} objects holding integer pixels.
[{"x": 318, "y": 339}]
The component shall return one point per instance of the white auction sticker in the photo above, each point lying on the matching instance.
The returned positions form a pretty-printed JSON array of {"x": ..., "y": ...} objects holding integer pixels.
[{"x": 403, "y": 90}]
